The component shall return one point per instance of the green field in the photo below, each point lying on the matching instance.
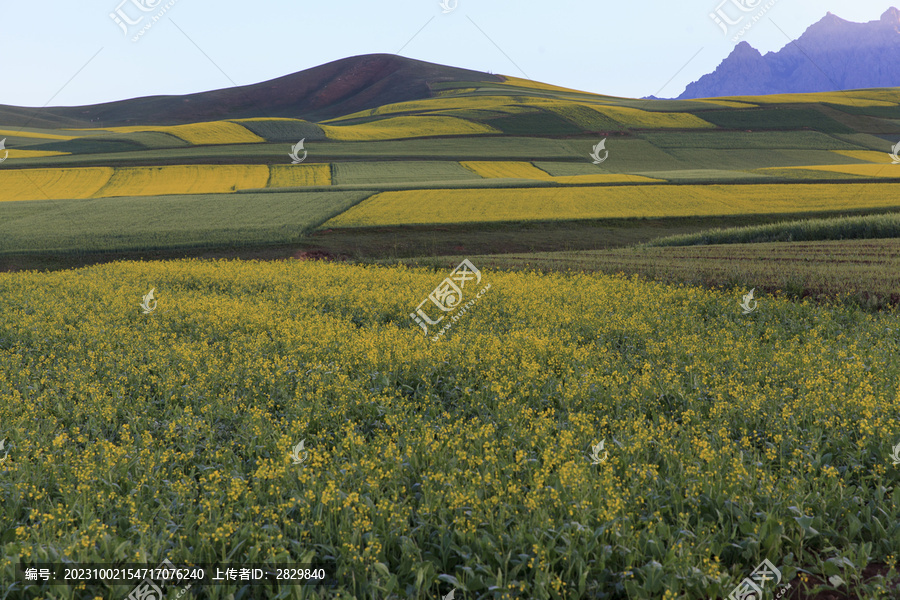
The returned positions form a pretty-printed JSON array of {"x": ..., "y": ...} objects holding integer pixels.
[
  {"x": 142, "y": 223},
  {"x": 424, "y": 172},
  {"x": 836, "y": 228}
]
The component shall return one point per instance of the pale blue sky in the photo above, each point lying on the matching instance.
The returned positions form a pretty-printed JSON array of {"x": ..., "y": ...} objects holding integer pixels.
[{"x": 68, "y": 53}]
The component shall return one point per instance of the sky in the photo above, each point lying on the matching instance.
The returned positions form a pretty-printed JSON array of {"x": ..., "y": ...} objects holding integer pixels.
[{"x": 67, "y": 54}]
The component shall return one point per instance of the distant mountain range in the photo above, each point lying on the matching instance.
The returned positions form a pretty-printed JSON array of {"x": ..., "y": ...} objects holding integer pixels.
[
  {"x": 331, "y": 90},
  {"x": 832, "y": 54}
]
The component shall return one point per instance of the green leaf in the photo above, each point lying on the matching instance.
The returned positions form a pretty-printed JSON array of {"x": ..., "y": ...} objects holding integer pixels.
[
  {"x": 806, "y": 525},
  {"x": 830, "y": 568}
]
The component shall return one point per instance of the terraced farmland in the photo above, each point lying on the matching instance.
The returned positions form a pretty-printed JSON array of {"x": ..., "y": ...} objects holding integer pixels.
[
  {"x": 199, "y": 134},
  {"x": 406, "y": 127},
  {"x": 493, "y": 156}
]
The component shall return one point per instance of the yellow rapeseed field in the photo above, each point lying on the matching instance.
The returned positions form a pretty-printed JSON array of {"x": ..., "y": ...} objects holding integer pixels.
[
  {"x": 849, "y": 98},
  {"x": 32, "y": 134},
  {"x": 527, "y": 83},
  {"x": 525, "y": 170},
  {"x": 882, "y": 170},
  {"x": 207, "y": 133},
  {"x": 184, "y": 179},
  {"x": 645, "y": 119},
  {"x": 105, "y": 182},
  {"x": 488, "y": 205},
  {"x": 396, "y": 128},
  {"x": 52, "y": 184},
  {"x": 299, "y": 175},
  {"x": 572, "y": 436},
  {"x": 511, "y": 104},
  {"x": 455, "y": 91},
  {"x": 868, "y": 155},
  {"x": 506, "y": 168},
  {"x": 725, "y": 103}
]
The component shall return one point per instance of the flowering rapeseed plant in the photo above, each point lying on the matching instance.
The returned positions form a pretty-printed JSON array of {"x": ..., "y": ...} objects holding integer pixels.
[{"x": 137, "y": 436}]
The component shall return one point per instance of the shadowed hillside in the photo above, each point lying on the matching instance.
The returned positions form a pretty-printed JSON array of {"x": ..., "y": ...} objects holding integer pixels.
[{"x": 337, "y": 88}]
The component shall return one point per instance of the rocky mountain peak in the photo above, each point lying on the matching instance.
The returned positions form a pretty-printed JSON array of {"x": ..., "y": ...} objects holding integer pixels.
[{"x": 832, "y": 54}]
